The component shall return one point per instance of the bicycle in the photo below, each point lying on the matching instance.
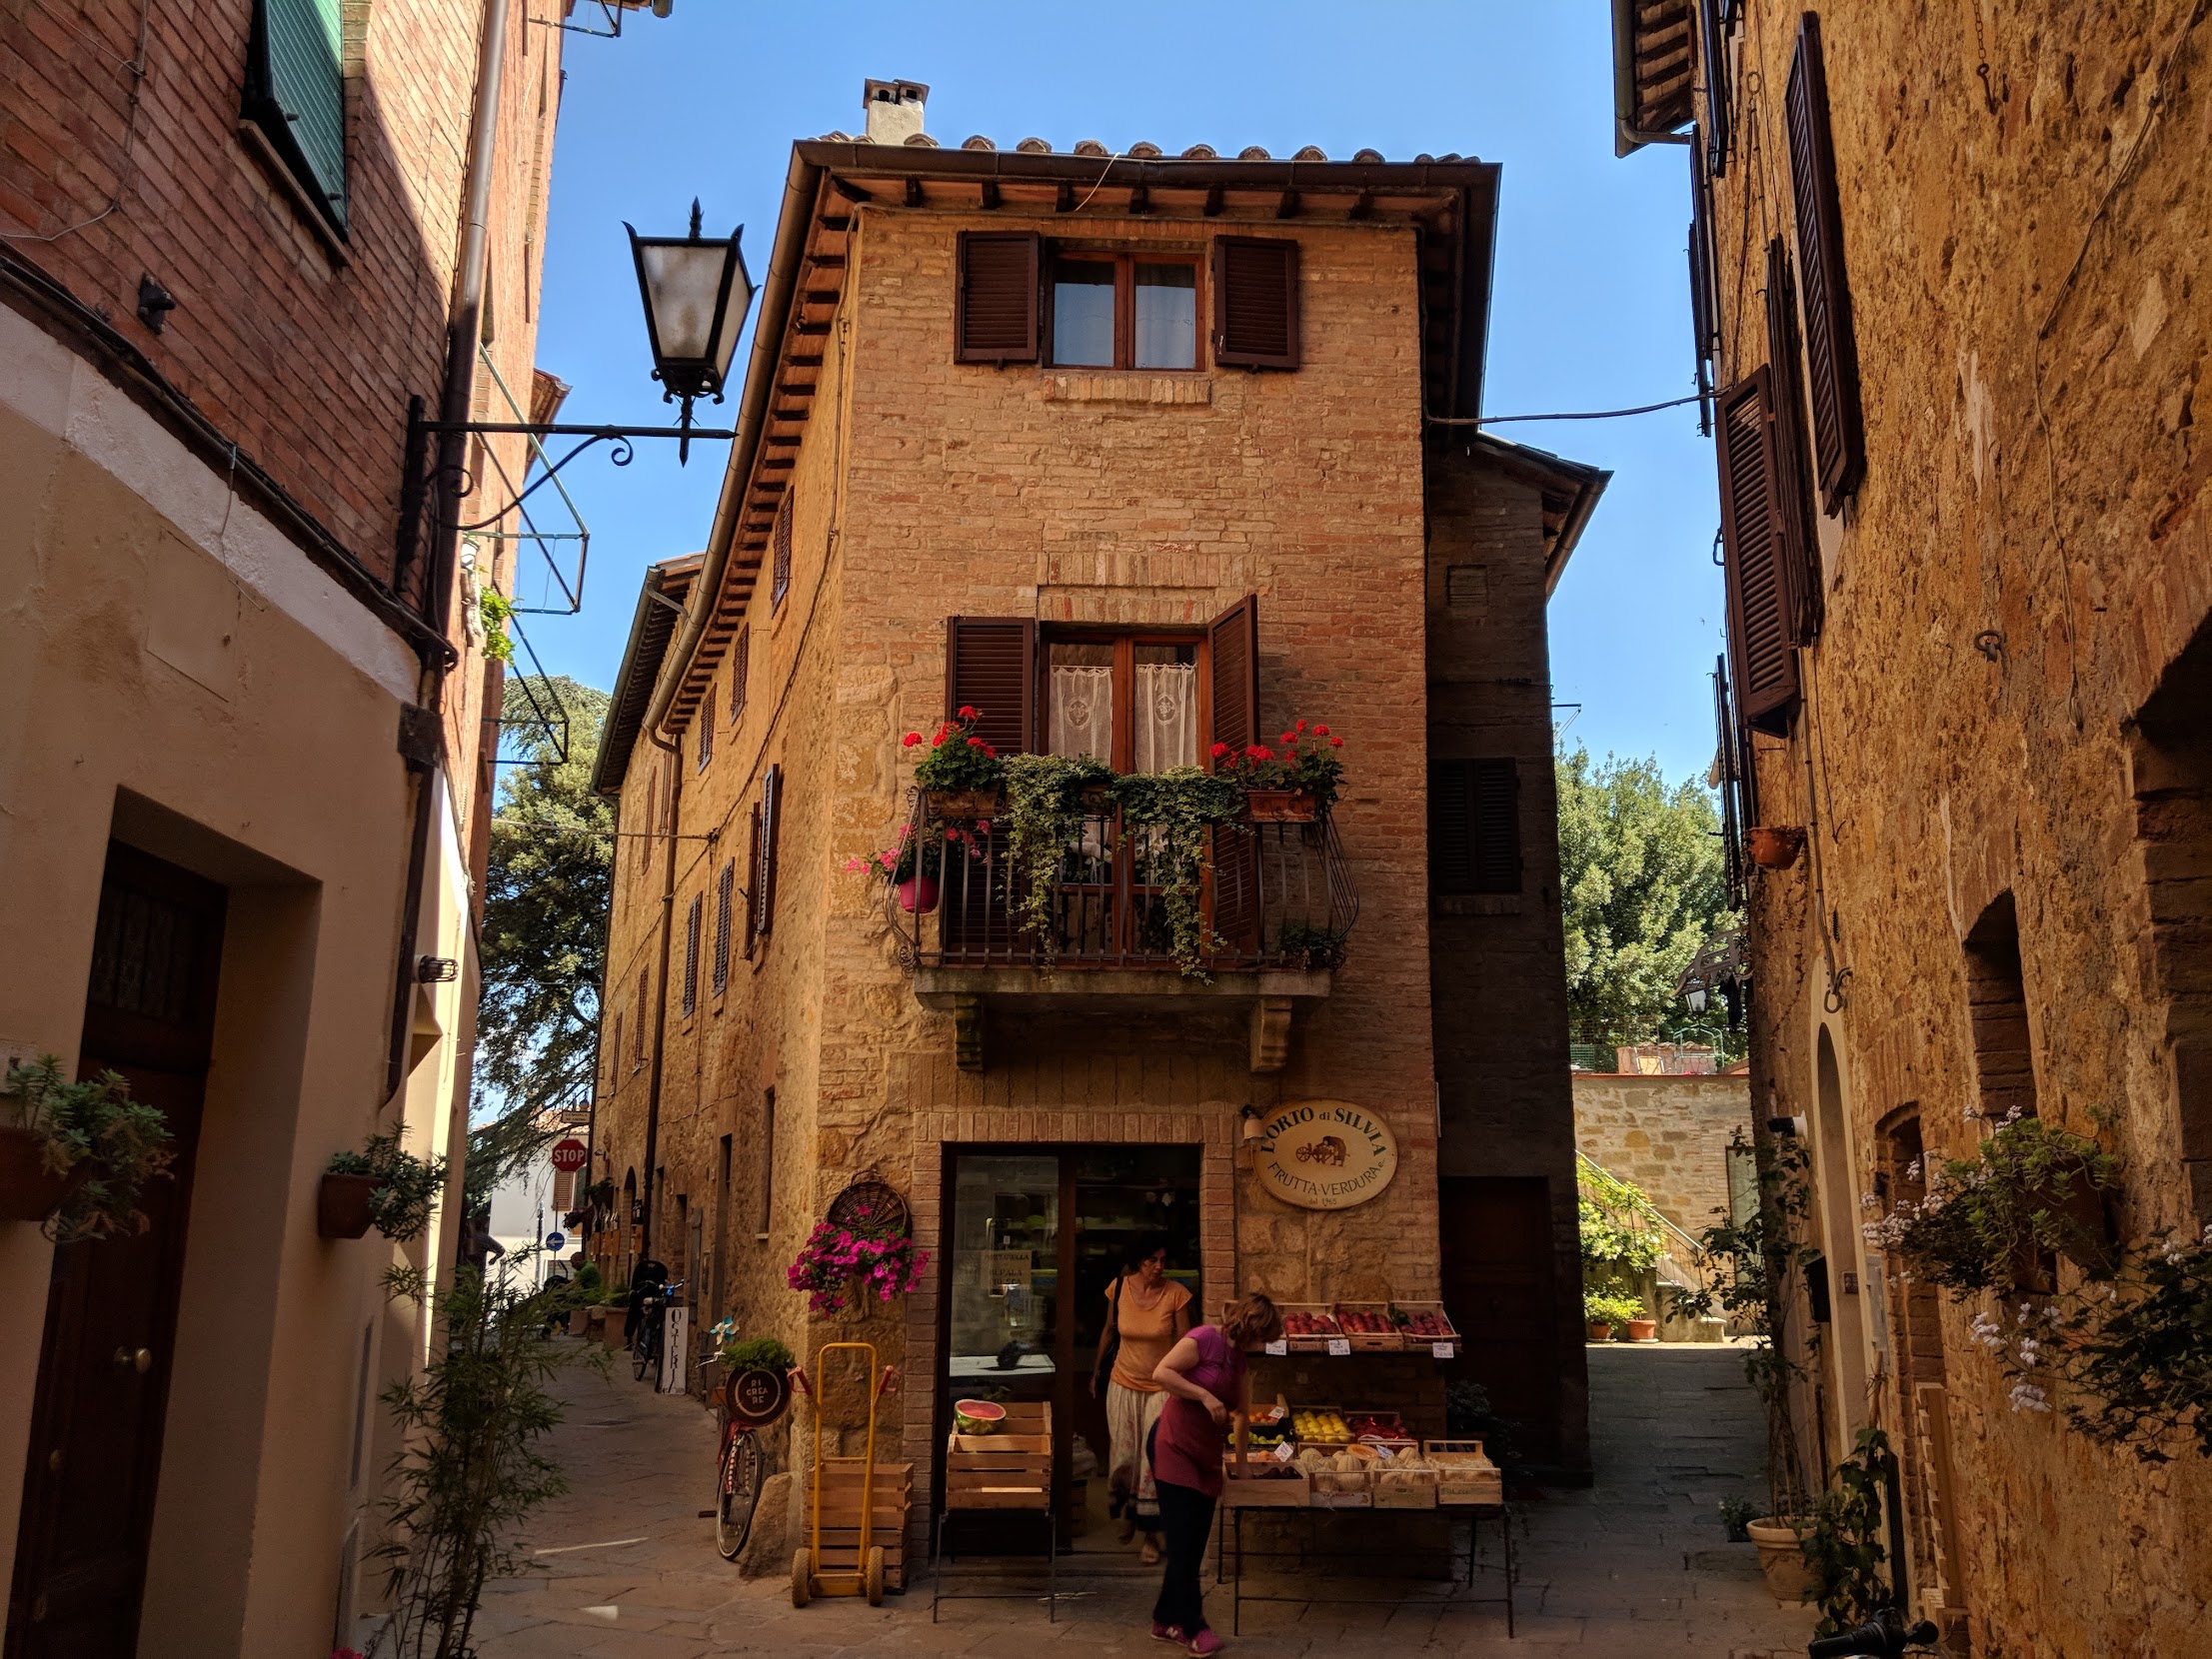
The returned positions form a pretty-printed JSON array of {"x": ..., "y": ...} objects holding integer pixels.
[
  {"x": 1884, "y": 1636},
  {"x": 747, "y": 1403},
  {"x": 653, "y": 1314}
]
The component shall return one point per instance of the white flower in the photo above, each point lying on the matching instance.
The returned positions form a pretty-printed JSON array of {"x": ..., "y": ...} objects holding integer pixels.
[
  {"x": 1988, "y": 1333},
  {"x": 1867, "y": 1201},
  {"x": 1912, "y": 1173},
  {"x": 2025, "y": 1396},
  {"x": 2013, "y": 1116},
  {"x": 1970, "y": 1115},
  {"x": 2028, "y": 1350}
]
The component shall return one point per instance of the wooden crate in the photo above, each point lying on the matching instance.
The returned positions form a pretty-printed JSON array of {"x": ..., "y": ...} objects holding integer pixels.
[
  {"x": 841, "y": 1518},
  {"x": 1305, "y": 1345},
  {"x": 998, "y": 1471},
  {"x": 1386, "y": 1340},
  {"x": 1341, "y": 1500},
  {"x": 1464, "y": 1473},
  {"x": 1404, "y": 1491},
  {"x": 1423, "y": 1344},
  {"x": 1290, "y": 1492}
]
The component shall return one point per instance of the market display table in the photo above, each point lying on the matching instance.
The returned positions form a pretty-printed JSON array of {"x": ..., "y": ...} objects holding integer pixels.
[{"x": 1232, "y": 1553}]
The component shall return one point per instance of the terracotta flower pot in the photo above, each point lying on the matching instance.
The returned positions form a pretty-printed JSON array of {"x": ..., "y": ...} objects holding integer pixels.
[
  {"x": 967, "y": 805},
  {"x": 29, "y": 1192},
  {"x": 917, "y": 895},
  {"x": 1783, "y": 1557},
  {"x": 1281, "y": 806},
  {"x": 1600, "y": 1331},
  {"x": 1772, "y": 847},
  {"x": 342, "y": 1205},
  {"x": 1643, "y": 1330}
]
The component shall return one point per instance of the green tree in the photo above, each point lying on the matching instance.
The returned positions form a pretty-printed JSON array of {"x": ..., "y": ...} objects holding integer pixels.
[
  {"x": 544, "y": 942},
  {"x": 1641, "y": 889}
]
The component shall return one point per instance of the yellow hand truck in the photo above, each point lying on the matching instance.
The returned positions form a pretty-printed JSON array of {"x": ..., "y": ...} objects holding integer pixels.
[{"x": 851, "y": 1499}]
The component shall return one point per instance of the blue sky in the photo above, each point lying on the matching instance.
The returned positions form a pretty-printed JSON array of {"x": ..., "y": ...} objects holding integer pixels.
[{"x": 1590, "y": 306}]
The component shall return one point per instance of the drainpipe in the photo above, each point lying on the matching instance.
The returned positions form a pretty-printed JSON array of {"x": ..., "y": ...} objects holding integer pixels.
[
  {"x": 661, "y": 990},
  {"x": 455, "y": 400}
]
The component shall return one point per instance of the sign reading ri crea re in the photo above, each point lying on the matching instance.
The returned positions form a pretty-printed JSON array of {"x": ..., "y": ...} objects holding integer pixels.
[
  {"x": 570, "y": 1155},
  {"x": 1326, "y": 1154}
]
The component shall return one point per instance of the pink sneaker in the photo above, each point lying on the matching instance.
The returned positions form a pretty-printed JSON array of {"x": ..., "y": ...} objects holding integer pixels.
[
  {"x": 1168, "y": 1633},
  {"x": 1205, "y": 1643}
]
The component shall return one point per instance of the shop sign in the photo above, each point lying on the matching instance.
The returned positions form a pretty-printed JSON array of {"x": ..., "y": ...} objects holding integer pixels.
[
  {"x": 1326, "y": 1154},
  {"x": 756, "y": 1396}
]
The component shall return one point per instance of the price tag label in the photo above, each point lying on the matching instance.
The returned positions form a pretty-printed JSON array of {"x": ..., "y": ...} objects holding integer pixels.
[
  {"x": 1443, "y": 1350},
  {"x": 1279, "y": 1346},
  {"x": 1385, "y": 1454},
  {"x": 1284, "y": 1453},
  {"x": 1339, "y": 1345}
]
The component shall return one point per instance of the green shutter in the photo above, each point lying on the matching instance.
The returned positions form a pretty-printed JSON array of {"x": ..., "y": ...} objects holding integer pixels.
[{"x": 296, "y": 90}]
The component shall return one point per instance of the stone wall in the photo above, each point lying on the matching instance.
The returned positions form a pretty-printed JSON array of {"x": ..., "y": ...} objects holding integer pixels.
[
  {"x": 2012, "y": 600},
  {"x": 1667, "y": 1135}
]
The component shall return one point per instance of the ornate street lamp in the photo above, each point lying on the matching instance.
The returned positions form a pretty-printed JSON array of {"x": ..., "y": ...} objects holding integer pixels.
[{"x": 696, "y": 293}]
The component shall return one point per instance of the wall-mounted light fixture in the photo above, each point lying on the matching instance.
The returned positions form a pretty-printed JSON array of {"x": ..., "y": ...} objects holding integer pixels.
[{"x": 696, "y": 293}]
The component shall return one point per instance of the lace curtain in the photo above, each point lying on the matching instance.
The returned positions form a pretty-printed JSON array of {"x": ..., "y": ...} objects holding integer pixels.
[{"x": 1166, "y": 714}]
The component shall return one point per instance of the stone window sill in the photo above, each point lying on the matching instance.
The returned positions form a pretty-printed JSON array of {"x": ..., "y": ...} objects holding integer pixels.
[{"x": 1121, "y": 386}]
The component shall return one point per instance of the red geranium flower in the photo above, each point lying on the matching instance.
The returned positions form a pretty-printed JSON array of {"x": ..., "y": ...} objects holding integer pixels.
[
  {"x": 992, "y": 752},
  {"x": 1220, "y": 750},
  {"x": 966, "y": 711},
  {"x": 1320, "y": 731},
  {"x": 975, "y": 743},
  {"x": 1337, "y": 742},
  {"x": 1301, "y": 726},
  {"x": 913, "y": 739}
]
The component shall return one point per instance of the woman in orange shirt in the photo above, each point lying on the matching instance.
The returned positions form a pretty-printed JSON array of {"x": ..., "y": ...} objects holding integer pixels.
[{"x": 1147, "y": 1315}]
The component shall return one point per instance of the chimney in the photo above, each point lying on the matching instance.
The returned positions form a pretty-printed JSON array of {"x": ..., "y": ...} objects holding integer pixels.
[{"x": 894, "y": 110}]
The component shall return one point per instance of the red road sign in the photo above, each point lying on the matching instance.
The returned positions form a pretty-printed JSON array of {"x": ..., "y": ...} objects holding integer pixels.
[{"x": 570, "y": 1155}]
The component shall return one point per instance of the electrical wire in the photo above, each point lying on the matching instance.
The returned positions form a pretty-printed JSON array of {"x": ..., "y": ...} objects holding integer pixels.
[
  {"x": 137, "y": 66},
  {"x": 1574, "y": 414}
]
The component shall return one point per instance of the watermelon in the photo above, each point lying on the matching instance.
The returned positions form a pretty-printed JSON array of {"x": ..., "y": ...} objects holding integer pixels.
[{"x": 978, "y": 1416}]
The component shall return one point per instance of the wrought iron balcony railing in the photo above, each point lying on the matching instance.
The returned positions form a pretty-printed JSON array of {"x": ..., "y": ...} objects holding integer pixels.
[{"x": 1277, "y": 895}]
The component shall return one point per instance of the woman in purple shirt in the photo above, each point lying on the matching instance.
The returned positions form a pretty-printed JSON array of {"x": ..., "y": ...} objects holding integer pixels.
[{"x": 1201, "y": 1375}]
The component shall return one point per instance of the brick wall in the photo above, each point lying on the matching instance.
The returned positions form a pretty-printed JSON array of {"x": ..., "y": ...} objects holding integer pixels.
[{"x": 2027, "y": 273}]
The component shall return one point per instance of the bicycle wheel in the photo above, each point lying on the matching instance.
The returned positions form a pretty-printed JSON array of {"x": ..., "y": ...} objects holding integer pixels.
[
  {"x": 646, "y": 1351},
  {"x": 737, "y": 1494}
]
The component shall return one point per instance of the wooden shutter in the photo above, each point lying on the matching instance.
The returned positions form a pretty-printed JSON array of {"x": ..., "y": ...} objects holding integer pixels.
[
  {"x": 1762, "y": 603},
  {"x": 752, "y": 883},
  {"x": 996, "y": 314},
  {"x": 991, "y": 667},
  {"x": 1727, "y": 762},
  {"x": 1713, "y": 51},
  {"x": 772, "y": 826},
  {"x": 296, "y": 95},
  {"x": 1233, "y": 718},
  {"x": 741, "y": 670},
  {"x": 705, "y": 724},
  {"x": 1792, "y": 491},
  {"x": 1255, "y": 302},
  {"x": 1705, "y": 301},
  {"x": 725, "y": 891},
  {"x": 637, "y": 1037},
  {"x": 690, "y": 953},
  {"x": 780, "y": 577},
  {"x": 1838, "y": 436},
  {"x": 1474, "y": 827},
  {"x": 1234, "y": 657}
]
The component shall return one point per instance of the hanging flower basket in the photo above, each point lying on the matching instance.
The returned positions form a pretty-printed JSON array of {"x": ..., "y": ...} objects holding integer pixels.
[
  {"x": 343, "y": 1205},
  {"x": 1774, "y": 847},
  {"x": 917, "y": 895},
  {"x": 1281, "y": 806},
  {"x": 970, "y": 805},
  {"x": 861, "y": 1251}
]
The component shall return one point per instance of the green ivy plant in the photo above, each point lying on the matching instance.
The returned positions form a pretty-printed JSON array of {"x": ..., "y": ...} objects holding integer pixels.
[
  {"x": 1173, "y": 817},
  {"x": 1622, "y": 1233},
  {"x": 757, "y": 1353},
  {"x": 494, "y": 608},
  {"x": 1043, "y": 817},
  {"x": 1843, "y": 1545},
  {"x": 93, "y": 1126},
  {"x": 2142, "y": 1354},
  {"x": 1986, "y": 1221},
  {"x": 407, "y": 1186}
]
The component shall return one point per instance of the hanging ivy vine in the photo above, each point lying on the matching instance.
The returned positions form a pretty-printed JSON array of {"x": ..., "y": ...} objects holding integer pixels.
[
  {"x": 1045, "y": 812},
  {"x": 1171, "y": 817}
]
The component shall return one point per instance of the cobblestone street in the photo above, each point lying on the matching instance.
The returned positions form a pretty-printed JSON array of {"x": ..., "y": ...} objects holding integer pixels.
[{"x": 624, "y": 1569}]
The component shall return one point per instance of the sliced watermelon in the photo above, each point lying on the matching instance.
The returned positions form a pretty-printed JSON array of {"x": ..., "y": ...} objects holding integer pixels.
[{"x": 978, "y": 1416}]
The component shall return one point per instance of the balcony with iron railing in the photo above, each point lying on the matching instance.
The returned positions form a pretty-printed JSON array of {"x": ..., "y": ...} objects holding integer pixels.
[{"x": 1260, "y": 920}]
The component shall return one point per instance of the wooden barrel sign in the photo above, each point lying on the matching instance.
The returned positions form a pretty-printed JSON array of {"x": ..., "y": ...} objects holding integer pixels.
[{"x": 756, "y": 1396}]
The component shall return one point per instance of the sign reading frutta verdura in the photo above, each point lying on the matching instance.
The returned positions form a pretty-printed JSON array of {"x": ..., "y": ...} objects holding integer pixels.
[{"x": 1326, "y": 1154}]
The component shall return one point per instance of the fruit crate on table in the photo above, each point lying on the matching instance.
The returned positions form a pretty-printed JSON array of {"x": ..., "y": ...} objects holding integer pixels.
[
  {"x": 1464, "y": 1473},
  {"x": 1367, "y": 1327},
  {"x": 1426, "y": 1323}
]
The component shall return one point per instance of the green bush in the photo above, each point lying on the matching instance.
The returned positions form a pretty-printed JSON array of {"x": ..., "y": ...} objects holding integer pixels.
[
  {"x": 407, "y": 1186},
  {"x": 757, "y": 1353},
  {"x": 93, "y": 1124},
  {"x": 1610, "y": 1307}
]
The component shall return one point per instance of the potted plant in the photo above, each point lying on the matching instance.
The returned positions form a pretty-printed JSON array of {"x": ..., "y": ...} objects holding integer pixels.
[
  {"x": 383, "y": 1185},
  {"x": 1737, "y": 1514},
  {"x": 913, "y": 863},
  {"x": 1774, "y": 847},
  {"x": 1644, "y": 1329},
  {"x": 834, "y": 1258},
  {"x": 1605, "y": 1310},
  {"x": 961, "y": 771},
  {"x": 76, "y": 1155}
]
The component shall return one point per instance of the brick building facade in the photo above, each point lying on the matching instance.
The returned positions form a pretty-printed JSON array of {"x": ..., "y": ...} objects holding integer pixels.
[
  {"x": 250, "y": 729},
  {"x": 777, "y": 1028},
  {"x": 1949, "y": 272}
]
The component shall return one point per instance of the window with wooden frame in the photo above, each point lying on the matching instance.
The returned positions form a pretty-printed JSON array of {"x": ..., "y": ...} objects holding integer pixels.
[
  {"x": 691, "y": 926},
  {"x": 1832, "y": 349},
  {"x": 294, "y": 99},
  {"x": 725, "y": 891},
  {"x": 1713, "y": 29},
  {"x": 1474, "y": 827},
  {"x": 741, "y": 670},
  {"x": 771, "y": 831},
  {"x": 753, "y": 882},
  {"x": 1762, "y": 569},
  {"x": 779, "y": 573},
  {"x": 1120, "y": 310},
  {"x": 637, "y": 1037},
  {"x": 706, "y": 724},
  {"x": 1255, "y": 302}
]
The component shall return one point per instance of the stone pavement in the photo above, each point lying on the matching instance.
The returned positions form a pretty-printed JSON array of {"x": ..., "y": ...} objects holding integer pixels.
[{"x": 1636, "y": 1565}]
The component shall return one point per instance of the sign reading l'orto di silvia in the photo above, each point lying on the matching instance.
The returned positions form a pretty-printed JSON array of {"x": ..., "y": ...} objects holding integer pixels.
[{"x": 1326, "y": 1154}]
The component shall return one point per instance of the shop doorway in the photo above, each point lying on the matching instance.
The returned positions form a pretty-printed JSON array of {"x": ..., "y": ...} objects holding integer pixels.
[
  {"x": 1499, "y": 1282},
  {"x": 1035, "y": 1237},
  {"x": 111, "y": 1310}
]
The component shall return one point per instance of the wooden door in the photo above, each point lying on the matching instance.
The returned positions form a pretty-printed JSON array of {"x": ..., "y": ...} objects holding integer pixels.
[
  {"x": 1500, "y": 1290},
  {"x": 111, "y": 1313}
]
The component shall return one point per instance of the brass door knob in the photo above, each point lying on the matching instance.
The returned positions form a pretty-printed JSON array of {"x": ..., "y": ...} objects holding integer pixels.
[{"x": 140, "y": 1360}]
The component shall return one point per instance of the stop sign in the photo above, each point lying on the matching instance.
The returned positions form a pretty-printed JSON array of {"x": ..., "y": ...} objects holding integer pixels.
[{"x": 570, "y": 1155}]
